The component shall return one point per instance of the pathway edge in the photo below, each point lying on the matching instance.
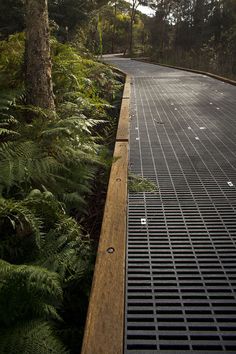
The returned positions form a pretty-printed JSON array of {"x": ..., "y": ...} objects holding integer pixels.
[
  {"x": 214, "y": 76},
  {"x": 104, "y": 330}
]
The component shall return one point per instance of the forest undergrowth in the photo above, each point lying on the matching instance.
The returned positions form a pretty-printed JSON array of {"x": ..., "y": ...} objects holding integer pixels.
[{"x": 54, "y": 168}]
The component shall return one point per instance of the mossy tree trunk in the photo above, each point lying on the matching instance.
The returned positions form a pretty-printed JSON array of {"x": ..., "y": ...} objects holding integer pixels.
[{"x": 37, "y": 56}]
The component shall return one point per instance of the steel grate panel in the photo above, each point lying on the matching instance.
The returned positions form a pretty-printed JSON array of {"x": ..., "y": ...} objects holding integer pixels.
[
  {"x": 181, "y": 276},
  {"x": 181, "y": 246}
]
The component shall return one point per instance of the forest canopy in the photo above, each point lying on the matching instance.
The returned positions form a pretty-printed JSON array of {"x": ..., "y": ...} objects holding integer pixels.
[{"x": 199, "y": 34}]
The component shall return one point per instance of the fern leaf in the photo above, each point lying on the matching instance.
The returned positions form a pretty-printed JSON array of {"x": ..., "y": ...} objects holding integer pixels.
[
  {"x": 7, "y": 132},
  {"x": 27, "y": 291},
  {"x": 20, "y": 229},
  {"x": 30, "y": 337}
]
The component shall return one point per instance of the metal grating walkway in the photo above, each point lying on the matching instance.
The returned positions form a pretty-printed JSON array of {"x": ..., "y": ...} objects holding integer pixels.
[{"x": 181, "y": 252}]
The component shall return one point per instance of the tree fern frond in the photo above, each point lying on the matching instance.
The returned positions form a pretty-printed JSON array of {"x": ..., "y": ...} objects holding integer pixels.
[
  {"x": 7, "y": 99},
  {"x": 65, "y": 251},
  {"x": 38, "y": 111},
  {"x": 87, "y": 154},
  {"x": 20, "y": 230},
  {"x": 41, "y": 169},
  {"x": 30, "y": 337},
  {"x": 58, "y": 255},
  {"x": 56, "y": 132},
  {"x": 46, "y": 207},
  {"x": 27, "y": 291},
  {"x": 4, "y": 132},
  {"x": 69, "y": 228},
  {"x": 73, "y": 200},
  {"x": 20, "y": 149},
  {"x": 25, "y": 161},
  {"x": 76, "y": 124},
  {"x": 7, "y": 120}
]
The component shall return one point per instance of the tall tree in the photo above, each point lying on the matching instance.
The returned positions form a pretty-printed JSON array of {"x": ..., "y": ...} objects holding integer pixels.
[
  {"x": 37, "y": 56},
  {"x": 133, "y": 10},
  {"x": 73, "y": 14},
  {"x": 11, "y": 17},
  {"x": 134, "y": 6},
  {"x": 114, "y": 28}
]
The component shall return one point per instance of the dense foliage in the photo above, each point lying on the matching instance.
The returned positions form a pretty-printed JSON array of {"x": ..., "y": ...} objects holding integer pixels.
[
  {"x": 54, "y": 164},
  {"x": 66, "y": 14},
  {"x": 50, "y": 166},
  {"x": 117, "y": 18},
  {"x": 199, "y": 34},
  {"x": 87, "y": 23}
]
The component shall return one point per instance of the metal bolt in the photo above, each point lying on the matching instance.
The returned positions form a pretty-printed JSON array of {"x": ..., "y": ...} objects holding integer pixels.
[{"x": 110, "y": 250}]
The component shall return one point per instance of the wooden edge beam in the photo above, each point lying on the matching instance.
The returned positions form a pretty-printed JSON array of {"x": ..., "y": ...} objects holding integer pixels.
[
  {"x": 117, "y": 70},
  {"x": 126, "y": 92},
  {"x": 104, "y": 330},
  {"x": 123, "y": 125}
]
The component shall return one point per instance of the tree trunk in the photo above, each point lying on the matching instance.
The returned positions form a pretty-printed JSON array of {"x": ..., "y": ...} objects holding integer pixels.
[
  {"x": 131, "y": 38},
  {"x": 114, "y": 30},
  {"x": 132, "y": 17},
  {"x": 38, "y": 61}
]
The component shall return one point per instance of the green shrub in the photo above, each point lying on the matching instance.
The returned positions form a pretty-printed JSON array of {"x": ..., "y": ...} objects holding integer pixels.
[{"x": 50, "y": 167}]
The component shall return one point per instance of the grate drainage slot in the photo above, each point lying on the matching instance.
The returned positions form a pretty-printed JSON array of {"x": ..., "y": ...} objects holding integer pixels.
[{"x": 181, "y": 246}]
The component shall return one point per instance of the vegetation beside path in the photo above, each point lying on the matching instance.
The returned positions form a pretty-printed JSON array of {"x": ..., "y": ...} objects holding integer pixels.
[
  {"x": 53, "y": 175},
  {"x": 58, "y": 116}
]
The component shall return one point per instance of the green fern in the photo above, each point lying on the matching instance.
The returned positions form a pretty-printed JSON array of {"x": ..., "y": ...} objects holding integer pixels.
[
  {"x": 25, "y": 162},
  {"x": 35, "y": 336},
  {"x": 27, "y": 292},
  {"x": 138, "y": 183},
  {"x": 21, "y": 234},
  {"x": 11, "y": 58},
  {"x": 7, "y": 119},
  {"x": 49, "y": 166},
  {"x": 63, "y": 249}
]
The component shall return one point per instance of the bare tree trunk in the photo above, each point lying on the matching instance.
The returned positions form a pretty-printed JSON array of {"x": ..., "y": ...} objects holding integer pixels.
[
  {"x": 38, "y": 61},
  {"x": 134, "y": 7},
  {"x": 132, "y": 17},
  {"x": 114, "y": 30}
]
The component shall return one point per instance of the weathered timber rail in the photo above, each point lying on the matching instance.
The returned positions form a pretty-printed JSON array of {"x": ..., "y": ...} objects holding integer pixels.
[{"x": 104, "y": 332}]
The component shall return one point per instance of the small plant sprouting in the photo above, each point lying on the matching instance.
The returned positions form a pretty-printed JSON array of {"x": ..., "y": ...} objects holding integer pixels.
[{"x": 138, "y": 183}]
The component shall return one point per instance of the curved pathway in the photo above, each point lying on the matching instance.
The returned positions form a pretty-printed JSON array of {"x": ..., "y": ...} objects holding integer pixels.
[{"x": 181, "y": 251}]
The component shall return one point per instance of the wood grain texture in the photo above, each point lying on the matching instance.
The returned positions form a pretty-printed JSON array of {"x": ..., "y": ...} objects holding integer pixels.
[
  {"x": 105, "y": 319},
  {"x": 104, "y": 331},
  {"x": 126, "y": 92},
  {"x": 123, "y": 126}
]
